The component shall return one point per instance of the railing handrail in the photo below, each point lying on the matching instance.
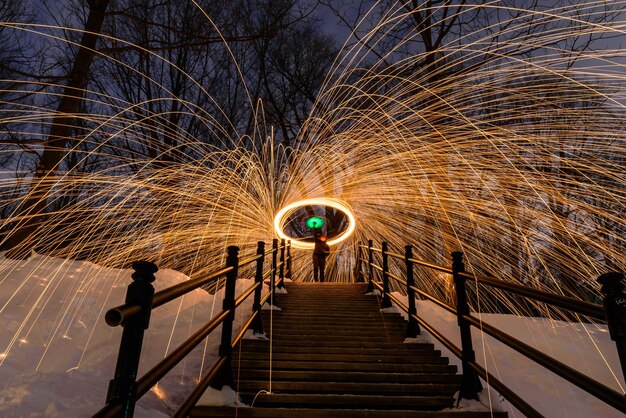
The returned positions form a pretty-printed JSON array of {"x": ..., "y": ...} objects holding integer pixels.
[
  {"x": 586, "y": 383},
  {"x": 516, "y": 400},
  {"x": 152, "y": 376},
  {"x": 589, "y": 309},
  {"x": 117, "y": 315},
  {"x": 131, "y": 311},
  {"x": 592, "y": 386},
  {"x": 422, "y": 263}
]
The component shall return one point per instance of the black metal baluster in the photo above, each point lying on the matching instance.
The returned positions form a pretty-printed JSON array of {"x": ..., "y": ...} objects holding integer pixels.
[
  {"x": 386, "y": 303},
  {"x": 123, "y": 387},
  {"x": 470, "y": 383},
  {"x": 615, "y": 311},
  {"x": 412, "y": 328},
  {"x": 257, "y": 323},
  {"x": 225, "y": 375}
]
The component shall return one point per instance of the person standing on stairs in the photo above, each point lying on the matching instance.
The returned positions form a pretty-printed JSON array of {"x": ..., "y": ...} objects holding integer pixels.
[{"x": 320, "y": 252}]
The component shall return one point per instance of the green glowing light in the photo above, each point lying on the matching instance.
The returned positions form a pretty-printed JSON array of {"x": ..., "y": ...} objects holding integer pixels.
[{"x": 315, "y": 222}]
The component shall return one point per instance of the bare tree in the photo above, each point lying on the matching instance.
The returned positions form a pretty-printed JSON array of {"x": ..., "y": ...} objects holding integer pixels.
[{"x": 31, "y": 210}]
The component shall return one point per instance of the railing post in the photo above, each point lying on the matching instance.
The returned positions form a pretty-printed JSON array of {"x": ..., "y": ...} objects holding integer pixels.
[
  {"x": 288, "y": 274},
  {"x": 358, "y": 276},
  {"x": 123, "y": 387},
  {"x": 386, "y": 301},
  {"x": 225, "y": 375},
  {"x": 412, "y": 328},
  {"x": 470, "y": 383},
  {"x": 615, "y": 311},
  {"x": 370, "y": 261},
  {"x": 274, "y": 267},
  {"x": 257, "y": 323},
  {"x": 281, "y": 275}
]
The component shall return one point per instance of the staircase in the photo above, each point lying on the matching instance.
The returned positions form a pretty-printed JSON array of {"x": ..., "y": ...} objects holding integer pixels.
[{"x": 334, "y": 354}]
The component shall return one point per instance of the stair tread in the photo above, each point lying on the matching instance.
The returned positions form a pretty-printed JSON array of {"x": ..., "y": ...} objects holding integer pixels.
[
  {"x": 316, "y": 387},
  {"x": 341, "y": 344},
  {"x": 352, "y": 376},
  {"x": 316, "y": 365},
  {"x": 345, "y": 358},
  {"x": 225, "y": 411},
  {"x": 335, "y": 354},
  {"x": 347, "y": 401}
]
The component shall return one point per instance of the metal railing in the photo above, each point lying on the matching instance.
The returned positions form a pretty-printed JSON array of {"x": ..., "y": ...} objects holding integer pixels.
[
  {"x": 613, "y": 312},
  {"x": 134, "y": 316}
]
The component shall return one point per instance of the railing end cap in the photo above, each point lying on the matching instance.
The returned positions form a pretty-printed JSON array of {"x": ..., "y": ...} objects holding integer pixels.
[
  {"x": 144, "y": 270},
  {"x": 612, "y": 282},
  {"x": 113, "y": 317}
]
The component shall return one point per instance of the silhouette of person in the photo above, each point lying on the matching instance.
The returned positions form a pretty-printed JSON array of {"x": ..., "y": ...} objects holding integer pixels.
[{"x": 320, "y": 252}]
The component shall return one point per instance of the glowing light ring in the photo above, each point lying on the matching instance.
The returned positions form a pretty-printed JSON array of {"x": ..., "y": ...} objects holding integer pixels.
[{"x": 282, "y": 216}]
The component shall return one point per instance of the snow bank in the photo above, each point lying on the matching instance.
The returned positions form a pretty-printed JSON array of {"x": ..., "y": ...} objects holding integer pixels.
[
  {"x": 585, "y": 347},
  {"x": 57, "y": 354},
  {"x": 224, "y": 397}
]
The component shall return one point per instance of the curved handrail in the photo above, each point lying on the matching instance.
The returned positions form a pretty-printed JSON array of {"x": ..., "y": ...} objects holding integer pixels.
[
  {"x": 250, "y": 260},
  {"x": 431, "y": 266}
]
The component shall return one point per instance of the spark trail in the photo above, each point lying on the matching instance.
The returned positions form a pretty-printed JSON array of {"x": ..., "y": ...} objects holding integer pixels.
[{"x": 503, "y": 140}]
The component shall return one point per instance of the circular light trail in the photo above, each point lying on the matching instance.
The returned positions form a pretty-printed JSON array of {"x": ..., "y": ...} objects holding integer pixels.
[{"x": 283, "y": 215}]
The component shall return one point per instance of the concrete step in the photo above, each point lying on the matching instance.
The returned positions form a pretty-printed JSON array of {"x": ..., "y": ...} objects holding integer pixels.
[
  {"x": 243, "y": 412},
  {"x": 313, "y": 339},
  {"x": 346, "y": 358},
  {"x": 296, "y": 321},
  {"x": 334, "y": 354},
  {"x": 291, "y": 325},
  {"x": 297, "y": 310},
  {"x": 245, "y": 364},
  {"x": 326, "y": 316},
  {"x": 246, "y": 347},
  {"x": 312, "y": 330},
  {"x": 349, "y": 388},
  {"x": 333, "y": 297},
  {"x": 384, "y": 334},
  {"x": 347, "y": 376},
  {"x": 343, "y": 315},
  {"x": 348, "y": 301},
  {"x": 344, "y": 302},
  {"x": 330, "y": 343},
  {"x": 325, "y": 401},
  {"x": 341, "y": 322}
]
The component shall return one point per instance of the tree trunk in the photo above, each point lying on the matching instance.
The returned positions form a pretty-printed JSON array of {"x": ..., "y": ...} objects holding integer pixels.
[{"x": 31, "y": 212}]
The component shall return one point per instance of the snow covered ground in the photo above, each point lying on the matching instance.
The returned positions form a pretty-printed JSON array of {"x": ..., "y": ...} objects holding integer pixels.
[
  {"x": 57, "y": 355},
  {"x": 584, "y": 347}
]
